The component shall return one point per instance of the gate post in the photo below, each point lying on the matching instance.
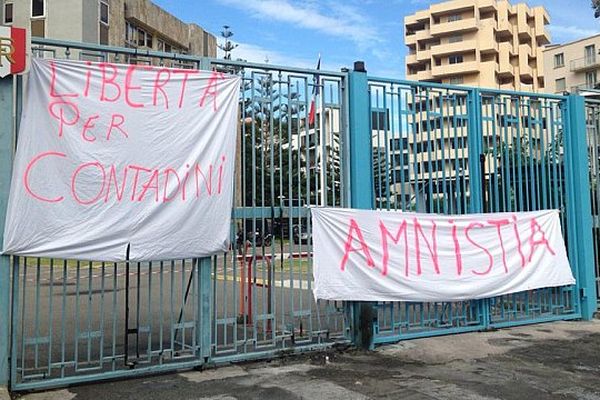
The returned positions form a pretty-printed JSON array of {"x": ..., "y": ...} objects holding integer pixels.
[
  {"x": 204, "y": 319},
  {"x": 6, "y": 157},
  {"x": 579, "y": 211},
  {"x": 363, "y": 315},
  {"x": 477, "y": 174}
]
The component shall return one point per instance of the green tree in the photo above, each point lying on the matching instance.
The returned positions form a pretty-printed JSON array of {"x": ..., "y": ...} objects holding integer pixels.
[
  {"x": 596, "y": 7},
  {"x": 271, "y": 118}
]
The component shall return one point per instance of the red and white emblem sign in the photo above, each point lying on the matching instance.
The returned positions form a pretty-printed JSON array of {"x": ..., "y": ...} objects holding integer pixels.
[{"x": 12, "y": 50}]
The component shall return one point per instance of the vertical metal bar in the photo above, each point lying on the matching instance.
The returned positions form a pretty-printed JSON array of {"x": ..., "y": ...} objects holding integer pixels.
[
  {"x": 204, "y": 309},
  {"x": 149, "y": 315},
  {"x": 361, "y": 176},
  {"x": 23, "y": 312},
  {"x": 102, "y": 294},
  {"x": 50, "y": 316},
  {"x": 89, "y": 314},
  {"x": 126, "y": 345},
  {"x": 36, "y": 329},
  {"x": 474, "y": 138},
  {"x": 14, "y": 320},
  {"x": 6, "y": 157},
  {"x": 63, "y": 317},
  {"x": 161, "y": 305},
  {"x": 114, "y": 318},
  {"x": 77, "y": 311},
  {"x": 580, "y": 205}
]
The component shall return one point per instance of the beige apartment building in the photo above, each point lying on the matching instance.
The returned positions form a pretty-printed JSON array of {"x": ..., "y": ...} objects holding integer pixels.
[
  {"x": 572, "y": 67},
  {"x": 123, "y": 23},
  {"x": 486, "y": 43}
]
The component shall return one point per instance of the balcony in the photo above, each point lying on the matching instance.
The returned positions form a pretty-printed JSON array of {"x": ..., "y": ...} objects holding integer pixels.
[
  {"x": 505, "y": 29},
  {"x": 525, "y": 71},
  {"x": 451, "y": 48},
  {"x": 585, "y": 63},
  {"x": 488, "y": 46},
  {"x": 410, "y": 39},
  {"x": 488, "y": 71},
  {"x": 542, "y": 37},
  {"x": 423, "y": 75},
  {"x": 418, "y": 17},
  {"x": 423, "y": 55},
  {"x": 505, "y": 69},
  {"x": 423, "y": 34},
  {"x": 411, "y": 59},
  {"x": 463, "y": 25},
  {"x": 439, "y": 71},
  {"x": 420, "y": 75},
  {"x": 506, "y": 50},
  {"x": 524, "y": 31},
  {"x": 487, "y": 5},
  {"x": 451, "y": 7}
]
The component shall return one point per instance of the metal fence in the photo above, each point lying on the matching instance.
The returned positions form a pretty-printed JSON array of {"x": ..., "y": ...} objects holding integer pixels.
[
  {"x": 75, "y": 321},
  {"x": 381, "y": 143},
  {"x": 592, "y": 114},
  {"x": 455, "y": 150}
]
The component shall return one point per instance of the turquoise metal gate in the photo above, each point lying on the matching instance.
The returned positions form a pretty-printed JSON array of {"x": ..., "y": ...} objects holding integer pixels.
[
  {"x": 375, "y": 142},
  {"x": 76, "y": 321},
  {"x": 454, "y": 150}
]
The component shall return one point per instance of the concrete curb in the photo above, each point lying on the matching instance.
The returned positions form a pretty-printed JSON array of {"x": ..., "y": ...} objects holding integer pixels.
[{"x": 4, "y": 393}]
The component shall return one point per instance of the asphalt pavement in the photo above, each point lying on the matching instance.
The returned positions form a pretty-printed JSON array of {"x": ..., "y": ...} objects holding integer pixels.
[{"x": 559, "y": 360}]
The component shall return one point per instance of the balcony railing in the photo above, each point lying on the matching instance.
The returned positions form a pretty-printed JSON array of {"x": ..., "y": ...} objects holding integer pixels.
[
  {"x": 585, "y": 86},
  {"x": 584, "y": 63}
]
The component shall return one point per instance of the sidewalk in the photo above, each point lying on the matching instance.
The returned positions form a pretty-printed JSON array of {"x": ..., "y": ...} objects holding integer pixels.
[{"x": 548, "y": 361}]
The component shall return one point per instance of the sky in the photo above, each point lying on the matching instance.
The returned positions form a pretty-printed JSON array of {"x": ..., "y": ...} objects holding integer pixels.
[{"x": 294, "y": 33}]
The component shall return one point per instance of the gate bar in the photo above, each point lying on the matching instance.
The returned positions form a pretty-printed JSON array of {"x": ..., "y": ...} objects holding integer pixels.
[
  {"x": 6, "y": 157},
  {"x": 580, "y": 205},
  {"x": 363, "y": 314}
]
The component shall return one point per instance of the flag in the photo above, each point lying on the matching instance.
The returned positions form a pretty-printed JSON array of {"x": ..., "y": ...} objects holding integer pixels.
[{"x": 315, "y": 93}]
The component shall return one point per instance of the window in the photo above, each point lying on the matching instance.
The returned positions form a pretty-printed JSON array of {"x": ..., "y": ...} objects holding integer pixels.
[
  {"x": 38, "y": 8},
  {"x": 560, "y": 84},
  {"x": 400, "y": 175},
  {"x": 38, "y": 27},
  {"x": 380, "y": 119},
  {"x": 590, "y": 54},
  {"x": 104, "y": 13},
  {"x": 455, "y": 17},
  {"x": 141, "y": 39},
  {"x": 8, "y": 13},
  {"x": 590, "y": 79},
  {"x": 397, "y": 143},
  {"x": 148, "y": 40},
  {"x": 456, "y": 80},
  {"x": 131, "y": 35},
  {"x": 400, "y": 160},
  {"x": 455, "y": 59},
  {"x": 559, "y": 60},
  {"x": 455, "y": 39}
]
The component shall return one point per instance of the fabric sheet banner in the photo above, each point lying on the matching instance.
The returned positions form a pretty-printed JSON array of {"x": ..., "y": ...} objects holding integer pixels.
[
  {"x": 395, "y": 256},
  {"x": 114, "y": 155}
]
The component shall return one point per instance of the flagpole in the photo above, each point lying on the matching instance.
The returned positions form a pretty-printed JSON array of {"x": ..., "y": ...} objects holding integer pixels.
[{"x": 322, "y": 141}]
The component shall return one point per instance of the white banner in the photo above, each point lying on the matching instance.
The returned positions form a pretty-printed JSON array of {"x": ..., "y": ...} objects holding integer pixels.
[
  {"x": 111, "y": 156},
  {"x": 394, "y": 256}
]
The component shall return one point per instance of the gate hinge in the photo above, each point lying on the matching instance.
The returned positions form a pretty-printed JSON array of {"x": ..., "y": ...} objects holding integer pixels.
[{"x": 583, "y": 293}]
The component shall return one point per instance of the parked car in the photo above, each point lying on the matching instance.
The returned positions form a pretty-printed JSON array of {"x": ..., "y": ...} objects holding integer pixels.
[
  {"x": 254, "y": 237},
  {"x": 300, "y": 234}
]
